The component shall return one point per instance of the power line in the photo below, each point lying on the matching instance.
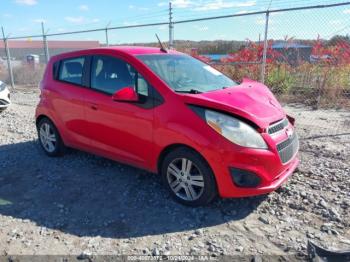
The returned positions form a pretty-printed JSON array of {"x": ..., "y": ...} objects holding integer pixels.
[
  {"x": 187, "y": 20},
  {"x": 268, "y": 8},
  {"x": 338, "y": 31},
  {"x": 276, "y": 4},
  {"x": 263, "y": 12},
  {"x": 191, "y": 14},
  {"x": 121, "y": 21}
]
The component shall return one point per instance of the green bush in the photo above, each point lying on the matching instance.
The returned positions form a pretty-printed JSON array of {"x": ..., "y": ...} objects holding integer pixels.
[{"x": 279, "y": 80}]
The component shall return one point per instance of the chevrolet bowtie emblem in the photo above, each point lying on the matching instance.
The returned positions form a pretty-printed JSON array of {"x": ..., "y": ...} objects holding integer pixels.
[{"x": 289, "y": 133}]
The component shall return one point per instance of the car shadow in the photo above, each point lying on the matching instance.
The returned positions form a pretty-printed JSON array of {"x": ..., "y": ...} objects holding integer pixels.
[{"x": 86, "y": 195}]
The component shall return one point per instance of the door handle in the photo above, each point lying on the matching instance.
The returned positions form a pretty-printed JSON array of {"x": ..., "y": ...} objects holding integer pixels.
[{"x": 94, "y": 107}]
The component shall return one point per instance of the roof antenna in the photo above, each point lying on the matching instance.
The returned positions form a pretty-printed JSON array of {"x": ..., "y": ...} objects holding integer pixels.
[{"x": 161, "y": 45}]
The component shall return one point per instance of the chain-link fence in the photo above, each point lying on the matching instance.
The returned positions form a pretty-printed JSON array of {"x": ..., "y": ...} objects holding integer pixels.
[{"x": 301, "y": 53}]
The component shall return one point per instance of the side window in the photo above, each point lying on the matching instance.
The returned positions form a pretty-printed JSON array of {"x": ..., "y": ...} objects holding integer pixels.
[
  {"x": 109, "y": 74},
  {"x": 55, "y": 69},
  {"x": 142, "y": 86},
  {"x": 71, "y": 70}
]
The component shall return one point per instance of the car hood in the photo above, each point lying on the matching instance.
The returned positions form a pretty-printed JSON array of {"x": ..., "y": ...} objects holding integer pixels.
[{"x": 251, "y": 100}]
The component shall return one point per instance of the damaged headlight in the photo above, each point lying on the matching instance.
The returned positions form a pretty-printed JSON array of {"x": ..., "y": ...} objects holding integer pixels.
[{"x": 234, "y": 130}]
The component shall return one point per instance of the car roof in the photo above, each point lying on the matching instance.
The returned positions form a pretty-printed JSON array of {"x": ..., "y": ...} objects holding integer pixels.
[
  {"x": 139, "y": 50},
  {"x": 128, "y": 50}
]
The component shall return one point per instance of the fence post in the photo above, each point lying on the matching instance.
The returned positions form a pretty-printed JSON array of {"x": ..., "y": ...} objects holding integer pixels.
[
  {"x": 46, "y": 47},
  {"x": 106, "y": 33},
  {"x": 8, "y": 56},
  {"x": 107, "y": 40},
  {"x": 263, "y": 66},
  {"x": 171, "y": 27}
]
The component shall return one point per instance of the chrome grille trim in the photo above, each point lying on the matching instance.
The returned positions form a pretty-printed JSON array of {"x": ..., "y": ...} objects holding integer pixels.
[
  {"x": 279, "y": 126},
  {"x": 288, "y": 148}
]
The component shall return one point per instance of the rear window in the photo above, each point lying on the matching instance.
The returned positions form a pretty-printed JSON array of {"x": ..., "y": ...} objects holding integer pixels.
[{"x": 71, "y": 70}]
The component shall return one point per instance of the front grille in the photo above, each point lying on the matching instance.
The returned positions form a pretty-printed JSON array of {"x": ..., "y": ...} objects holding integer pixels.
[
  {"x": 288, "y": 148},
  {"x": 280, "y": 125},
  {"x": 3, "y": 102}
]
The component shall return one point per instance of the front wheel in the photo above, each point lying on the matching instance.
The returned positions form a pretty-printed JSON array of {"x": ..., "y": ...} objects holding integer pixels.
[{"x": 188, "y": 177}]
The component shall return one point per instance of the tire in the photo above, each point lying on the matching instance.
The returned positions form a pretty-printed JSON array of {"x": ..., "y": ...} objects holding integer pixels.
[
  {"x": 50, "y": 139},
  {"x": 184, "y": 168}
]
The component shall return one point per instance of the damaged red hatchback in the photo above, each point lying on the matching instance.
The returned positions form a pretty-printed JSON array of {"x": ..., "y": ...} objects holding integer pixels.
[{"x": 167, "y": 112}]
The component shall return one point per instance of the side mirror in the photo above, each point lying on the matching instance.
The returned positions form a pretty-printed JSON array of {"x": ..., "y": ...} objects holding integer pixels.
[{"x": 126, "y": 94}]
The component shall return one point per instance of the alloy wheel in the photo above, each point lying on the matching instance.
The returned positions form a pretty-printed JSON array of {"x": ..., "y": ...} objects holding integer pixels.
[
  {"x": 185, "y": 179},
  {"x": 48, "y": 137}
]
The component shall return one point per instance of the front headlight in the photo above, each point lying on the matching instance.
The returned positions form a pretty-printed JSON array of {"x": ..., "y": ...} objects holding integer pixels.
[{"x": 234, "y": 130}]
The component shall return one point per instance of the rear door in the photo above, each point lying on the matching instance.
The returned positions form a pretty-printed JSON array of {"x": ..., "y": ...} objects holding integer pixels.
[
  {"x": 120, "y": 130},
  {"x": 68, "y": 98}
]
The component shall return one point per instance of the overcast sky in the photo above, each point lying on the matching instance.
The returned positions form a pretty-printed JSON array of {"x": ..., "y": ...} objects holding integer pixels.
[{"x": 23, "y": 17}]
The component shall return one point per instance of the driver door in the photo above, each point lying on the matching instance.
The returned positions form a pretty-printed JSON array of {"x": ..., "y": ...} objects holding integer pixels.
[{"x": 119, "y": 130}]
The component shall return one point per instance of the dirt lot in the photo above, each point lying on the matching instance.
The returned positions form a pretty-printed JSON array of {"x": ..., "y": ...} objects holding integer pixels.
[{"x": 83, "y": 204}]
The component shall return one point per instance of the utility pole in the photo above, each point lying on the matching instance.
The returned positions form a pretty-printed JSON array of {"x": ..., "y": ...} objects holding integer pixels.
[
  {"x": 171, "y": 27},
  {"x": 8, "y": 56},
  {"x": 46, "y": 48},
  {"x": 263, "y": 66}
]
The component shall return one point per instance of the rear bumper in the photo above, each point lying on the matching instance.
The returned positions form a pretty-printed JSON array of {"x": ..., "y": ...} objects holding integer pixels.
[
  {"x": 5, "y": 98},
  {"x": 4, "y": 105}
]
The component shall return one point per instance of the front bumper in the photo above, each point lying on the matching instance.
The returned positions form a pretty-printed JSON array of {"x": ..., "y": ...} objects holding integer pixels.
[
  {"x": 280, "y": 179},
  {"x": 269, "y": 165},
  {"x": 272, "y": 174},
  {"x": 271, "y": 185}
]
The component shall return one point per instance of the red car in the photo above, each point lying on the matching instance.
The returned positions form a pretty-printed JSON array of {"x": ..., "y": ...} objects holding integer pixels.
[{"x": 169, "y": 113}]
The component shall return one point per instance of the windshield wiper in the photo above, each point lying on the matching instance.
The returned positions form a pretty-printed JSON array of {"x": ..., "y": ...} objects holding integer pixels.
[{"x": 190, "y": 91}]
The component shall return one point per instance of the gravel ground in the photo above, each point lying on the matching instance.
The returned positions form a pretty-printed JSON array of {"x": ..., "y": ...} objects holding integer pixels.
[{"x": 85, "y": 205}]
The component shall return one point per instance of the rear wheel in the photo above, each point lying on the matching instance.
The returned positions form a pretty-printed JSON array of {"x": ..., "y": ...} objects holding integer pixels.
[
  {"x": 49, "y": 138},
  {"x": 188, "y": 177}
]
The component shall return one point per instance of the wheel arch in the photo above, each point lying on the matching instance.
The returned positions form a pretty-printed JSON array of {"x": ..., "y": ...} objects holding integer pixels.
[
  {"x": 59, "y": 148},
  {"x": 172, "y": 147},
  {"x": 41, "y": 117}
]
